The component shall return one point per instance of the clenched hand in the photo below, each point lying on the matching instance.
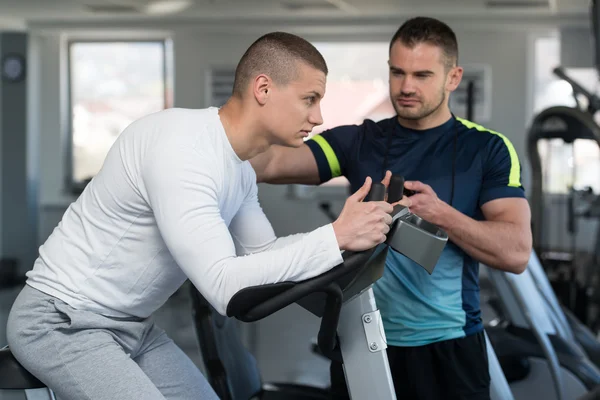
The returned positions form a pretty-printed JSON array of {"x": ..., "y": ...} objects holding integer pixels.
[
  {"x": 425, "y": 202},
  {"x": 362, "y": 225}
]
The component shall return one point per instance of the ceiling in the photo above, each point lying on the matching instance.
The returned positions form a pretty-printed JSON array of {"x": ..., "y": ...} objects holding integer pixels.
[{"x": 31, "y": 12}]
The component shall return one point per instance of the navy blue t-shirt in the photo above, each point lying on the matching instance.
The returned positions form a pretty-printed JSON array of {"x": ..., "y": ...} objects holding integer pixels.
[{"x": 418, "y": 308}]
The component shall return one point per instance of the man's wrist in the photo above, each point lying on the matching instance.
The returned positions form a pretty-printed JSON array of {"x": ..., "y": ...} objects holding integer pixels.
[
  {"x": 340, "y": 239},
  {"x": 447, "y": 217}
]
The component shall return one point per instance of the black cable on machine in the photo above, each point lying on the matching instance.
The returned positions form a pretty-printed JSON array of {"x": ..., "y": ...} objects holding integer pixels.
[{"x": 470, "y": 100}]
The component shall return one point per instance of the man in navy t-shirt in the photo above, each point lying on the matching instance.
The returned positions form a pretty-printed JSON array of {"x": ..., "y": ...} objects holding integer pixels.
[{"x": 466, "y": 179}]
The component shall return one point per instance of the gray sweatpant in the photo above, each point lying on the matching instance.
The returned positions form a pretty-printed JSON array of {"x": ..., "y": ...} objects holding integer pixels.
[{"x": 86, "y": 356}]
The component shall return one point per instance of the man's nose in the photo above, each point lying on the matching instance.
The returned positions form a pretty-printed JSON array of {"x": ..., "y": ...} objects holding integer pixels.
[{"x": 316, "y": 117}]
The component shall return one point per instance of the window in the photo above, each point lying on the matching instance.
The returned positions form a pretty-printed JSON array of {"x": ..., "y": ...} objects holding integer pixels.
[
  {"x": 111, "y": 85},
  {"x": 564, "y": 165}
]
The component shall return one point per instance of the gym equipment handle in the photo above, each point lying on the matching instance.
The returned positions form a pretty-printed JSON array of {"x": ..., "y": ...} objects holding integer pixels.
[
  {"x": 396, "y": 189},
  {"x": 257, "y": 302}
]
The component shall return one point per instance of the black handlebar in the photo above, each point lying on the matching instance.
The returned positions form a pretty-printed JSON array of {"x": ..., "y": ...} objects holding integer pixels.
[
  {"x": 255, "y": 303},
  {"x": 396, "y": 189}
]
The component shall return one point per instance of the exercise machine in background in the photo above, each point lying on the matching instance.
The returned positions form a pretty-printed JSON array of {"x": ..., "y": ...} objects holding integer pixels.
[
  {"x": 573, "y": 272},
  {"x": 541, "y": 352}
]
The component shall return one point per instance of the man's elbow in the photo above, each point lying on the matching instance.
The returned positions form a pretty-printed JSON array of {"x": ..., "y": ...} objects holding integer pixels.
[
  {"x": 519, "y": 264},
  {"x": 518, "y": 260},
  {"x": 215, "y": 295}
]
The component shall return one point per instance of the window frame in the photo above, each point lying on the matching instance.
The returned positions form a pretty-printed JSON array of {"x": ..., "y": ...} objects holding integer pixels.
[{"x": 72, "y": 186}]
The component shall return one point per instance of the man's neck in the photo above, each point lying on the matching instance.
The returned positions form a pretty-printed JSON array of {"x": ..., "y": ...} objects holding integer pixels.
[
  {"x": 438, "y": 118},
  {"x": 243, "y": 131}
]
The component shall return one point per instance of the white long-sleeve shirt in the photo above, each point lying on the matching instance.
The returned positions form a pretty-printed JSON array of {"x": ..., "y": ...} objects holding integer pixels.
[{"x": 172, "y": 201}]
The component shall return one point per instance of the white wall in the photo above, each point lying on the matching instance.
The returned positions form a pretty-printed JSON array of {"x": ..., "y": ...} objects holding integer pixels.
[{"x": 197, "y": 48}]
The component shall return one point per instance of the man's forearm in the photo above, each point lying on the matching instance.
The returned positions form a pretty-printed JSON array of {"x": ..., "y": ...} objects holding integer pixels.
[
  {"x": 284, "y": 165},
  {"x": 501, "y": 245},
  {"x": 260, "y": 163}
]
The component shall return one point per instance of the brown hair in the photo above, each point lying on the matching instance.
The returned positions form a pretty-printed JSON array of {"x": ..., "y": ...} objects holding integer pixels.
[
  {"x": 429, "y": 30},
  {"x": 276, "y": 54}
]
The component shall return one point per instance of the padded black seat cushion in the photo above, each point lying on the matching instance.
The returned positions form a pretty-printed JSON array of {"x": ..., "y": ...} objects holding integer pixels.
[{"x": 13, "y": 375}]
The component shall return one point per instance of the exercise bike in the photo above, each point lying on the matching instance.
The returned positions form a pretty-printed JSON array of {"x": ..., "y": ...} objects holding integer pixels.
[{"x": 351, "y": 330}]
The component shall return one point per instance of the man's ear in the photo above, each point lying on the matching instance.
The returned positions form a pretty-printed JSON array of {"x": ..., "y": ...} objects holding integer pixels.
[
  {"x": 453, "y": 79},
  {"x": 261, "y": 88}
]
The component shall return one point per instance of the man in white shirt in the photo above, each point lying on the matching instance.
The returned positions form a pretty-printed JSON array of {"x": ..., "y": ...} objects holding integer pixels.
[{"x": 176, "y": 199}]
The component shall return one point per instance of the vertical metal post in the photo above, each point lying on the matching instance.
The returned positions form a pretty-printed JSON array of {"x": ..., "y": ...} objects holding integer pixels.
[{"x": 363, "y": 345}]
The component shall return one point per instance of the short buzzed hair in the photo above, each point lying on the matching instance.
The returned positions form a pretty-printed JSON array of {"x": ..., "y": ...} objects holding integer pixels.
[
  {"x": 432, "y": 31},
  {"x": 276, "y": 54}
]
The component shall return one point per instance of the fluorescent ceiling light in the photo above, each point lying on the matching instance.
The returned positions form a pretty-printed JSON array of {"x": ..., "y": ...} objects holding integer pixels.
[{"x": 162, "y": 7}]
